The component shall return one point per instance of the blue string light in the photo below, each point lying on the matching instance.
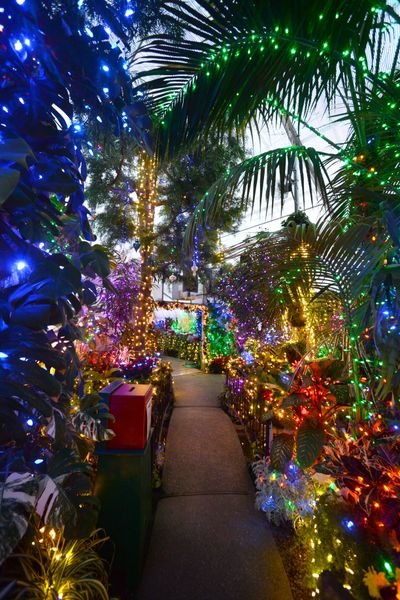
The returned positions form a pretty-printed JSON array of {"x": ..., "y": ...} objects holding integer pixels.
[
  {"x": 21, "y": 265},
  {"x": 348, "y": 524}
]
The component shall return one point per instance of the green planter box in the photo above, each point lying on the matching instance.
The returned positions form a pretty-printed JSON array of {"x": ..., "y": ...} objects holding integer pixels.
[{"x": 124, "y": 487}]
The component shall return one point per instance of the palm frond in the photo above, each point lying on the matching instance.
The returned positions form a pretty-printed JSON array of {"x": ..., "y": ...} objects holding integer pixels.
[
  {"x": 331, "y": 264},
  {"x": 264, "y": 176},
  {"x": 368, "y": 179},
  {"x": 238, "y": 52}
]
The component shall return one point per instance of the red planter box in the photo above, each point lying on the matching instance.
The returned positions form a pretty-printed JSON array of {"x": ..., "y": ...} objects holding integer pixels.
[{"x": 130, "y": 404}]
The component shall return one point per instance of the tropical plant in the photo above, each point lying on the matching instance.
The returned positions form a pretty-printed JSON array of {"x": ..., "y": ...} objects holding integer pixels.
[
  {"x": 53, "y": 568},
  {"x": 250, "y": 63},
  {"x": 306, "y": 413},
  {"x": 61, "y": 73},
  {"x": 365, "y": 470}
]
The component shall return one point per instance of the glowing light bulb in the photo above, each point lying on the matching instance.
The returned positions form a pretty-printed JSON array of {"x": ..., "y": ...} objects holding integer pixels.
[{"x": 21, "y": 265}]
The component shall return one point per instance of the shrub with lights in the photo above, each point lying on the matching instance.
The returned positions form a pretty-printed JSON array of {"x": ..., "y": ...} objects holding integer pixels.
[
  {"x": 220, "y": 334},
  {"x": 325, "y": 399},
  {"x": 104, "y": 327},
  {"x": 319, "y": 413},
  {"x": 334, "y": 478},
  {"x": 186, "y": 347}
]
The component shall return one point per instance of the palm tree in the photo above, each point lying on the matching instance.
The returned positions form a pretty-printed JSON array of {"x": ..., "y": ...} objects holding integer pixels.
[{"x": 245, "y": 64}]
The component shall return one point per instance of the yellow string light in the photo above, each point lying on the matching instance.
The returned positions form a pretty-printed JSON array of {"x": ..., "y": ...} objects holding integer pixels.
[{"x": 140, "y": 338}]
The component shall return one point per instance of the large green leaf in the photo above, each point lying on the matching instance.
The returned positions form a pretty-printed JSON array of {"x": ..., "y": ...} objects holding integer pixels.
[
  {"x": 65, "y": 462},
  {"x": 53, "y": 505},
  {"x": 36, "y": 315},
  {"x": 95, "y": 257},
  {"x": 18, "y": 497},
  {"x": 93, "y": 424},
  {"x": 281, "y": 450},
  {"x": 8, "y": 182},
  {"x": 53, "y": 278},
  {"x": 310, "y": 439},
  {"x": 37, "y": 376},
  {"x": 32, "y": 401},
  {"x": 15, "y": 150},
  {"x": 264, "y": 177}
]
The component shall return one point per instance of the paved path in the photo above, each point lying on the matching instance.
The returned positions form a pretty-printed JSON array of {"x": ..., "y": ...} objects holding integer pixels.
[{"x": 208, "y": 542}]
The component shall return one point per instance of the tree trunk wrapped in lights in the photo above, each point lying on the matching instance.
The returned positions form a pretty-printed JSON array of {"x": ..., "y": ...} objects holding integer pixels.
[{"x": 141, "y": 339}]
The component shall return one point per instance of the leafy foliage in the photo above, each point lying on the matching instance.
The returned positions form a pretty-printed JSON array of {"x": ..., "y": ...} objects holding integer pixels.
[
  {"x": 288, "y": 46},
  {"x": 19, "y": 493},
  {"x": 249, "y": 64},
  {"x": 111, "y": 190},
  {"x": 57, "y": 62},
  {"x": 281, "y": 450},
  {"x": 310, "y": 440},
  {"x": 183, "y": 183},
  {"x": 71, "y": 569},
  {"x": 290, "y": 60},
  {"x": 262, "y": 177}
]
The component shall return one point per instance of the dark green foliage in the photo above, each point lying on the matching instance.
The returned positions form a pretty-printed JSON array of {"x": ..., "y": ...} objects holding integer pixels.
[
  {"x": 281, "y": 450},
  {"x": 51, "y": 66},
  {"x": 111, "y": 191},
  {"x": 253, "y": 63},
  {"x": 310, "y": 439},
  {"x": 260, "y": 177},
  {"x": 186, "y": 179}
]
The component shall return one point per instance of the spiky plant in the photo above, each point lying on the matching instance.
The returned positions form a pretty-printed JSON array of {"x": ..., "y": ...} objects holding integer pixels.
[{"x": 52, "y": 568}]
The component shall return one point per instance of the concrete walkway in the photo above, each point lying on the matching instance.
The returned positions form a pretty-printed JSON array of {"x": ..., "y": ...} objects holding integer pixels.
[{"x": 208, "y": 542}]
